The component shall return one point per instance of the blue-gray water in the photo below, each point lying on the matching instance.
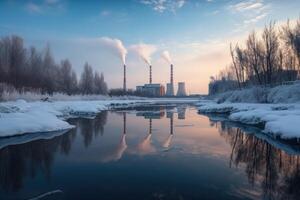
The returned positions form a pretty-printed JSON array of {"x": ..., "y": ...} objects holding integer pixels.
[{"x": 150, "y": 153}]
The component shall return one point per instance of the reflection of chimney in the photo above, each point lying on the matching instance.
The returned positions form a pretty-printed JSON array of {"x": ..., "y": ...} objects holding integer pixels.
[
  {"x": 171, "y": 125},
  {"x": 124, "y": 81},
  {"x": 124, "y": 123},
  {"x": 150, "y": 126},
  {"x": 167, "y": 143},
  {"x": 150, "y": 75}
]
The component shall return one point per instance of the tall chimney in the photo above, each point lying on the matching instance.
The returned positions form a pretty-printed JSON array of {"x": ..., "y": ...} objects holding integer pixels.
[
  {"x": 124, "y": 81},
  {"x": 150, "y": 75},
  {"x": 172, "y": 81}
]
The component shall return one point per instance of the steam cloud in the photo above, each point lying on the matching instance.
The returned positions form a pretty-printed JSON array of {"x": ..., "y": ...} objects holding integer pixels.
[
  {"x": 144, "y": 51},
  {"x": 166, "y": 55},
  {"x": 115, "y": 46}
]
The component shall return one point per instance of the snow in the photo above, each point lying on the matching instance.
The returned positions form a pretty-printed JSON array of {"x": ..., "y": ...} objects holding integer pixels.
[
  {"x": 278, "y": 119},
  {"x": 19, "y": 117},
  {"x": 278, "y": 94}
]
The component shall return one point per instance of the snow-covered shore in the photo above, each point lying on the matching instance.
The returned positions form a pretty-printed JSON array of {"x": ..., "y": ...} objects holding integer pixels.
[
  {"x": 277, "y": 119},
  {"x": 20, "y": 117}
]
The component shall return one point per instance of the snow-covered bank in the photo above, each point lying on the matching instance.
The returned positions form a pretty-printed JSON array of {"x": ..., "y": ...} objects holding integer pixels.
[
  {"x": 277, "y": 119},
  {"x": 278, "y": 94},
  {"x": 19, "y": 117}
]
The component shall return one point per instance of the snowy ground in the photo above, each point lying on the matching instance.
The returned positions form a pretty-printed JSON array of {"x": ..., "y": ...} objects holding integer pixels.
[
  {"x": 278, "y": 119},
  {"x": 19, "y": 117},
  {"x": 278, "y": 94}
]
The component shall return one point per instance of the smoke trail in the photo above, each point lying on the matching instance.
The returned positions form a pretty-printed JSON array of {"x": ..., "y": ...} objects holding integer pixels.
[
  {"x": 144, "y": 51},
  {"x": 166, "y": 55},
  {"x": 115, "y": 46}
]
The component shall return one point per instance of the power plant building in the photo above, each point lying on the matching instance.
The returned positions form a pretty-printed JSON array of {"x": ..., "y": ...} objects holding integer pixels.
[{"x": 153, "y": 90}]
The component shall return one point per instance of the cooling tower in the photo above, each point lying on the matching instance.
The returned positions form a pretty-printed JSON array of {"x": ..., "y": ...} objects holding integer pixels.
[
  {"x": 170, "y": 90},
  {"x": 181, "y": 89},
  {"x": 170, "y": 86}
]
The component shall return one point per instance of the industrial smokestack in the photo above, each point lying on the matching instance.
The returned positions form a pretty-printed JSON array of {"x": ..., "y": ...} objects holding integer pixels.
[
  {"x": 171, "y": 78},
  {"x": 124, "y": 81},
  {"x": 150, "y": 74},
  {"x": 170, "y": 86}
]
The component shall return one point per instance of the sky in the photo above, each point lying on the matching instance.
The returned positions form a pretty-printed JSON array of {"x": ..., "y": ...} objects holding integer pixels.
[{"x": 197, "y": 33}]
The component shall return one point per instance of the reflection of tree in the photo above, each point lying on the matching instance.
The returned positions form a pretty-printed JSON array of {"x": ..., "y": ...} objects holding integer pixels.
[
  {"x": 20, "y": 161},
  {"x": 90, "y": 128},
  {"x": 25, "y": 160},
  {"x": 276, "y": 171}
]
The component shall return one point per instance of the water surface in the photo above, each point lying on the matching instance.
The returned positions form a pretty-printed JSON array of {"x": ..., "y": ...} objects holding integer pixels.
[{"x": 153, "y": 152}]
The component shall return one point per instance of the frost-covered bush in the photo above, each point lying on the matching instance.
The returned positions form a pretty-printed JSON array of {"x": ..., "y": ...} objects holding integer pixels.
[
  {"x": 251, "y": 95},
  {"x": 278, "y": 94},
  {"x": 285, "y": 93}
]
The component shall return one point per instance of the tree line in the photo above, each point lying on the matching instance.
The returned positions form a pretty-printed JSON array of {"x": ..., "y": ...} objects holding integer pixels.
[
  {"x": 36, "y": 70},
  {"x": 268, "y": 59}
]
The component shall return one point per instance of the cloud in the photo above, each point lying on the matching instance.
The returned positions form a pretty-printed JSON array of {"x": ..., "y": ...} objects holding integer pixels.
[
  {"x": 105, "y": 13},
  {"x": 248, "y": 13},
  {"x": 164, "y": 5},
  {"x": 255, "y": 19},
  {"x": 247, "y": 6},
  {"x": 51, "y": 2},
  {"x": 44, "y": 6},
  {"x": 33, "y": 8}
]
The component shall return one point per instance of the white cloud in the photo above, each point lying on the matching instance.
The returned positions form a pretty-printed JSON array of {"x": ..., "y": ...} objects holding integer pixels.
[
  {"x": 33, "y": 8},
  {"x": 164, "y": 5},
  {"x": 247, "y": 5},
  {"x": 51, "y": 2},
  {"x": 248, "y": 13},
  {"x": 44, "y": 6},
  {"x": 255, "y": 19},
  {"x": 105, "y": 13}
]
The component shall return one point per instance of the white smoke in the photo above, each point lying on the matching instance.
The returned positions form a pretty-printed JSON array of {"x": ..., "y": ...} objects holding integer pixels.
[
  {"x": 144, "y": 51},
  {"x": 166, "y": 55},
  {"x": 115, "y": 46}
]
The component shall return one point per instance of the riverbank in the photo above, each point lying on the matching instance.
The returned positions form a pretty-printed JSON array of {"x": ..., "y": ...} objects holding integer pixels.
[
  {"x": 276, "y": 119},
  {"x": 20, "y": 117}
]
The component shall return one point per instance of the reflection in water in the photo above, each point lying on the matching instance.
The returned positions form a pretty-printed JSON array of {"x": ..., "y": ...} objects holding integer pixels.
[
  {"x": 90, "y": 128},
  {"x": 118, "y": 152},
  {"x": 20, "y": 161},
  {"x": 146, "y": 147},
  {"x": 25, "y": 160},
  {"x": 167, "y": 143},
  {"x": 277, "y": 172},
  {"x": 181, "y": 112},
  {"x": 270, "y": 166}
]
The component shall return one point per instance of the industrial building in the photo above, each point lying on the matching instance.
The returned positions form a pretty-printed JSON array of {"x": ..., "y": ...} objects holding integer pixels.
[
  {"x": 158, "y": 90},
  {"x": 153, "y": 90}
]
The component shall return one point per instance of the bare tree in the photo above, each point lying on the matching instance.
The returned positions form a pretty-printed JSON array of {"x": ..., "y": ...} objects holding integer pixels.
[
  {"x": 87, "y": 80},
  {"x": 271, "y": 46}
]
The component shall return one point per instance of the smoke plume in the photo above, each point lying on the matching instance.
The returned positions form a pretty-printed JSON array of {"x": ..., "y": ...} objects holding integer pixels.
[
  {"x": 144, "y": 51},
  {"x": 166, "y": 55},
  {"x": 115, "y": 46}
]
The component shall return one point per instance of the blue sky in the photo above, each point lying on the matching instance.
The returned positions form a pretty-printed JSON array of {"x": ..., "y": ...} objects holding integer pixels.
[{"x": 195, "y": 32}]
